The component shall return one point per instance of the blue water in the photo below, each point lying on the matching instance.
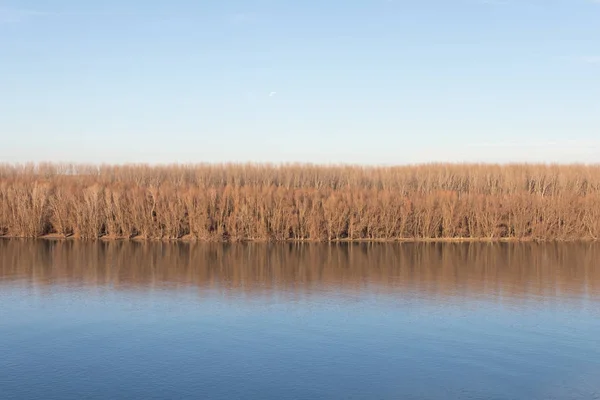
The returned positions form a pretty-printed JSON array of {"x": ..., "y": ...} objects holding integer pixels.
[{"x": 97, "y": 322}]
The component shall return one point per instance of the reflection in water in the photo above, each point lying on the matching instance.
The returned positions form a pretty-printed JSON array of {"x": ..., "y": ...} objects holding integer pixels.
[
  {"x": 111, "y": 320},
  {"x": 500, "y": 269}
]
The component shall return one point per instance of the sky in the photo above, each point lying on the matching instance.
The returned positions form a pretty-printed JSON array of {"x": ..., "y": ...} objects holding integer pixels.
[{"x": 320, "y": 81}]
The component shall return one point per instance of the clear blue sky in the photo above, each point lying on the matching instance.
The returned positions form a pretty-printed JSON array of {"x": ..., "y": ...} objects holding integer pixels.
[{"x": 360, "y": 81}]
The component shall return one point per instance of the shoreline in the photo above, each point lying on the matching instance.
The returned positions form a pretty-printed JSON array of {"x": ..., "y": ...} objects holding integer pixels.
[{"x": 61, "y": 238}]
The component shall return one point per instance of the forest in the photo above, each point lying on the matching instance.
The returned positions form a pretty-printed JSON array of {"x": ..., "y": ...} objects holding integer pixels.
[{"x": 301, "y": 202}]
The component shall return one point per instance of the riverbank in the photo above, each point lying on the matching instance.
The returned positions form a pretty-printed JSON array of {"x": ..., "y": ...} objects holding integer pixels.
[{"x": 189, "y": 239}]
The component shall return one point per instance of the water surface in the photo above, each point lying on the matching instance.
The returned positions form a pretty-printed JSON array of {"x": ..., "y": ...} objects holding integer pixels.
[{"x": 125, "y": 320}]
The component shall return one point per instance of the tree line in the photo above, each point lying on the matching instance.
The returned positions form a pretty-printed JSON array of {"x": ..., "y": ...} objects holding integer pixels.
[{"x": 261, "y": 202}]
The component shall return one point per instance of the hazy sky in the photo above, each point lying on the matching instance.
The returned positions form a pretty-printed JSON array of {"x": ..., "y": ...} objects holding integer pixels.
[{"x": 361, "y": 81}]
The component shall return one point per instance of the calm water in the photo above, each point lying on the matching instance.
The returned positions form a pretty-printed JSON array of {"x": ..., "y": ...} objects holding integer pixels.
[{"x": 158, "y": 321}]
